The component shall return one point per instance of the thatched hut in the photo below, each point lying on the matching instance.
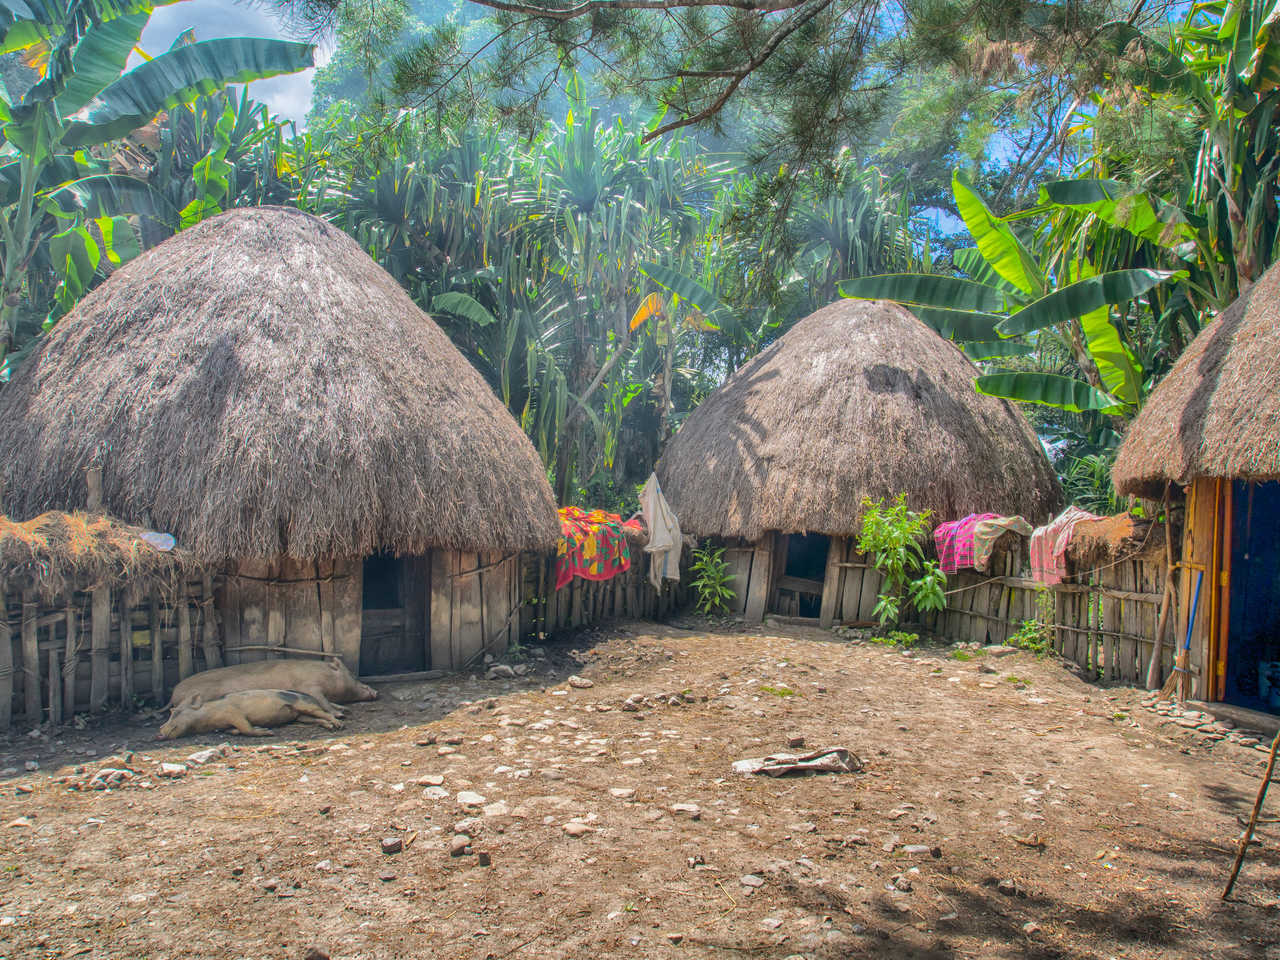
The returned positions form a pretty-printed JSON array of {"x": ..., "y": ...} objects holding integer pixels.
[
  {"x": 1210, "y": 432},
  {"x": 262, "y": 390},
  {"x": 858, "y": 400}
]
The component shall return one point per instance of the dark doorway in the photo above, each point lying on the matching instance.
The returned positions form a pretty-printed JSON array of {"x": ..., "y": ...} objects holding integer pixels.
[
  {"x": 394, "y": 623},
  {"x": 804, "y": 570},
  {"x": 1253, "y": 637}
]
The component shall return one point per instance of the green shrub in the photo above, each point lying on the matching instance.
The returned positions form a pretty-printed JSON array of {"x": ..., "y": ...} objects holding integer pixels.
[
  {"x": 892, "y": 537},
  {"x": 1037, "y": 635},
  {"x": 712, "y": 580}
]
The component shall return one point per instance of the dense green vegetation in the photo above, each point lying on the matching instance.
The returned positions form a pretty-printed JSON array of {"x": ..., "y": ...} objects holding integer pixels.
[{"x": 1069, "y": 191}]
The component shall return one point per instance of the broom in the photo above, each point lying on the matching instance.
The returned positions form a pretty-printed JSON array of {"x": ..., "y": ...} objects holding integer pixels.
[{"x": 1179, "y": 682}]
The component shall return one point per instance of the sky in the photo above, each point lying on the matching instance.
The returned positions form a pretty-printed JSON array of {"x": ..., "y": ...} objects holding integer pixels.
[{"x": 288, "y": 96}]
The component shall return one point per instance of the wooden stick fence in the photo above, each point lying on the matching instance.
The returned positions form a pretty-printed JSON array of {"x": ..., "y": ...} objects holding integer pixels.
[
  {"x": 1106, "y": 624},
  {"x": 582, "y": 603}
]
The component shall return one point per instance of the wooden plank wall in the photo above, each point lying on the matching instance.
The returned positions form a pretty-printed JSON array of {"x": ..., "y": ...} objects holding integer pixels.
[
  {"x": 850, "y": 589},
  {"x": 582, "y": 603},
  {"x": 66, "y": 660}
]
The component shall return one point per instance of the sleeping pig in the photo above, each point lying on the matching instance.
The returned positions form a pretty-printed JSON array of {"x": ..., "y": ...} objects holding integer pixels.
[
  {"x": 330, "y": 683},
  {"x": 248, "y": 711}
]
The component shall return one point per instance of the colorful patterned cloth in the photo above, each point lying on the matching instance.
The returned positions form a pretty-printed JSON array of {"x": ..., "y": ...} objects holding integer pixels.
[
  {"x": 955, "y": 541},
  {"x": 592, "y": 546},
  {"x": 987, "y": 532},
  {"x": 1049, "y": 545}
]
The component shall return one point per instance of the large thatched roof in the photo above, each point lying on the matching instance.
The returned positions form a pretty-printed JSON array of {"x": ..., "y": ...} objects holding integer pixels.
[
  {"x": 1217, "y": 412},
  {"x": 858, "y": 400},
  {"x": 258, "y": 386}
]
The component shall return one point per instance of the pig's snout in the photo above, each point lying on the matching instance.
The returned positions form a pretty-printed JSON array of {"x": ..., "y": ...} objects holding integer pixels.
[{"x": 366, "y": 692}]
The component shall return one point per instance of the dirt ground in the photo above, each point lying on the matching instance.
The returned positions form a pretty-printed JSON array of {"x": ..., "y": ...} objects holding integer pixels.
[{"x": 1006, "y": 809}]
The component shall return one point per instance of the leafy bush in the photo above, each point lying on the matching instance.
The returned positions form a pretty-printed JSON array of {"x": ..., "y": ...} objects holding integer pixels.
[
  {"x": 1037, "y": 635},
  {"x": 893, "y": 537},
  {"x": 712, "y": 580},
  {"x": 898, "y": 638}
]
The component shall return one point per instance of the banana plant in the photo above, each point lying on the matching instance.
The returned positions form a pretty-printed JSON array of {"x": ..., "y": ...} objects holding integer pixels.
[
  {"x": 1012, "y": 297},
  {"x": 61, "y": 207}
]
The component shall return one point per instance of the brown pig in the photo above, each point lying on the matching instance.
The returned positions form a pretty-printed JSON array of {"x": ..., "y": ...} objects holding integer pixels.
[
  {"x": 248, "y": 711},
  {"x": 330, "y": 683}
]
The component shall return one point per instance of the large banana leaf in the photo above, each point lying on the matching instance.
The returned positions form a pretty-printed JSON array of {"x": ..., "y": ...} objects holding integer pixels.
[
  {"x": 1117, "y": 366},
  {"x": 926, "y": 290},
  {"x": 1077, "y": 299},
  {"x": 98, "y": 60},
  {"x": 114, "y": 194},
  {"x": 996, "y": 240},
  {"x": 1264, "y": 64},
  {"x": 463, "y": 305},
  {"x": 23, "y": 24},
  {"x": 178, "y": 76},
  {"x": 993, "y": 349},
  {"x": 688, "y": 289},
  {"x": 1120, "y": 205},
  {"x": 960, "y": 324},
  {"x": 1047, "y": 389}
]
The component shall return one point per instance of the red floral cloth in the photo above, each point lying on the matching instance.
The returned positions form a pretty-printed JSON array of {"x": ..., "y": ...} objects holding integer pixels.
[
  {"x": 954, "y": 541},
  {"x": 592, "y": 546}
]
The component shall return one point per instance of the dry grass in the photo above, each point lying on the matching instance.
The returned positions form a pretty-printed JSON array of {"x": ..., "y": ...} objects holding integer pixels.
[
  {"x": 858, "y": 400},
  {"x": 259, "y": 387},
  {"x": 1110, "y": 539},
  {"x": 60, "y": 551},
  {"x": 1217, "y": 413}
]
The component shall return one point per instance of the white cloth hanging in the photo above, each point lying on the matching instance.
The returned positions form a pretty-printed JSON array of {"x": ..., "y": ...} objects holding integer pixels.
[{"x": 664, "y": 534}]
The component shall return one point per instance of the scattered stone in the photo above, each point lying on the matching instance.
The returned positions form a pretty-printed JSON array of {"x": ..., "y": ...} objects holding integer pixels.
[
  {"x": 751, "y": 880},
  {"x": 917, "y": 849},
  {"x": 392, "y": 845},
  {"x": 435, "y": 793},
  {"x": 386, "y": 876},
  {"x": 458, "y": 845},
  {"x": 771, "y": 923},
  {"x": 690, "y": 810},
  {"x": 315, "y": 953},
  {"x": 31, "y": 766},
  {"x": 1030, "y": 928},
  {"x": 675, "y": 937},
  {"x": 795, "y": 742},
  {"x": 19, "y": 822},
  {"x": 984, "y": 668},
  {"x": 622, "y": 793},
  {"x": 497, "y": 809},
  {"x": 580, "y": 683},
  {"x": 270, "y": 885},
  {"x": 469, "y": 798},
  {"x": 500, "y": 671},
  {"x": 996, "y": 650},
  {"x": 1009, "y": 888},
  {"x": 576, "y": 828},
  {"x": 201, "y": 757},
  {"x": 326, "y": 809},
  {"x": 901, "y": 883},
  {"x": 483, "y": 858},
  {"x": 173, "y": 771}
]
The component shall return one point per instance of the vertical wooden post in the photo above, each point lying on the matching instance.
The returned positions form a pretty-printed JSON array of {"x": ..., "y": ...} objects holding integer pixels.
[
  {"x": 186, "y": 651},
  {"x": 126, "y": 649},
  {"x": 30, "y": 658},
  {"x": 831, "y": 584},
  {"x": 275, "y": 614},
  {"x": 761, "y": 579},
  {"x": 99, "y": 637},
  {"x": 55, "y": 685},
  {"x": 71, "y": 658},
  {"x": 157, "y": 651},
  {"x": 6, "y": 660},
  {"x": 209, "y": 633}
]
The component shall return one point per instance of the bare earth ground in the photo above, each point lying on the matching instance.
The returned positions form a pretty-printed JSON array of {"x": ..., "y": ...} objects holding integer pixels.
[{"x": 1068, "y": 820}]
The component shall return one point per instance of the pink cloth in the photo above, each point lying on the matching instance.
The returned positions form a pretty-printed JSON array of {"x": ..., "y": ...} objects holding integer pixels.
[
  {"x": 954, "y": 541},
  {"x": 1049, "y": 545}
]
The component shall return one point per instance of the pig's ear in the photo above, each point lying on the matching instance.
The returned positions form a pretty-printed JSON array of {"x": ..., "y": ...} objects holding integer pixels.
[
  {"x": 335, "y": 664},
  {"x": 194, "y": 702}
]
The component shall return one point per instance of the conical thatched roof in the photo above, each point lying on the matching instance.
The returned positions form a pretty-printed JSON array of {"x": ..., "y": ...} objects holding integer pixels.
[
  {"x": 858, "y": 400},
  {"x": 1217, "y": 412},
  {"x": 259, "y": 387}
]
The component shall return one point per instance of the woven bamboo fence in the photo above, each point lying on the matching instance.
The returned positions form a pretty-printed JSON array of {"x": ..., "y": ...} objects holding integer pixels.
[{"x": 1105, "y": 621}]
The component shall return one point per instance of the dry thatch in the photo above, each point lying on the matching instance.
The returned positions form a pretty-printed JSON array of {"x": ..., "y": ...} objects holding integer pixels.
[
  {"x": 259, "y": 387},
  {"x": 858, "y": 400},
  {"x": 57, "y": 552},
  {"x": 1096, "y": 543},
  {"x": 1217, "y": 413}
]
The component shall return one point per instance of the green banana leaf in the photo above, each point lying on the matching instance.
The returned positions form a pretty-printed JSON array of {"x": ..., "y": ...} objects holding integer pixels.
[
  {"x": 1085, "y": 296},
  {"x": 995, "y": 349},
  {"x": 960, "y": 324},
  {"x": 926, "y": 290},
  {"x": 1047, "y": 389},
  {"x": 179, "y": 76},
  {"x": 1264, "y": 65},
  {"x": 463, "y": 305},
  {"x": 1120, "y": 205},
  {"x": 1117, "y": 366},
  {"x": 712, "y": 307},
  {"x": 995, "y": 239},
  {"x": 113, "y": 194},
  {"x": 98, "y": 60},
  {"x": 23, "y": 24}
]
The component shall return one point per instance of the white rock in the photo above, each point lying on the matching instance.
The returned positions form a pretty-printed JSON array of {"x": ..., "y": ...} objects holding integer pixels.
[
  {"x": 469, "y": 798},
  {"x": 622, "y": 793},
  {"x": 207, "y": 755},
  {"x": 582, "y": 683},
  {"x": 435, "y": 793},
  {"x": 173, "y": 770},
  {"x": 496, "y": 809}
]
